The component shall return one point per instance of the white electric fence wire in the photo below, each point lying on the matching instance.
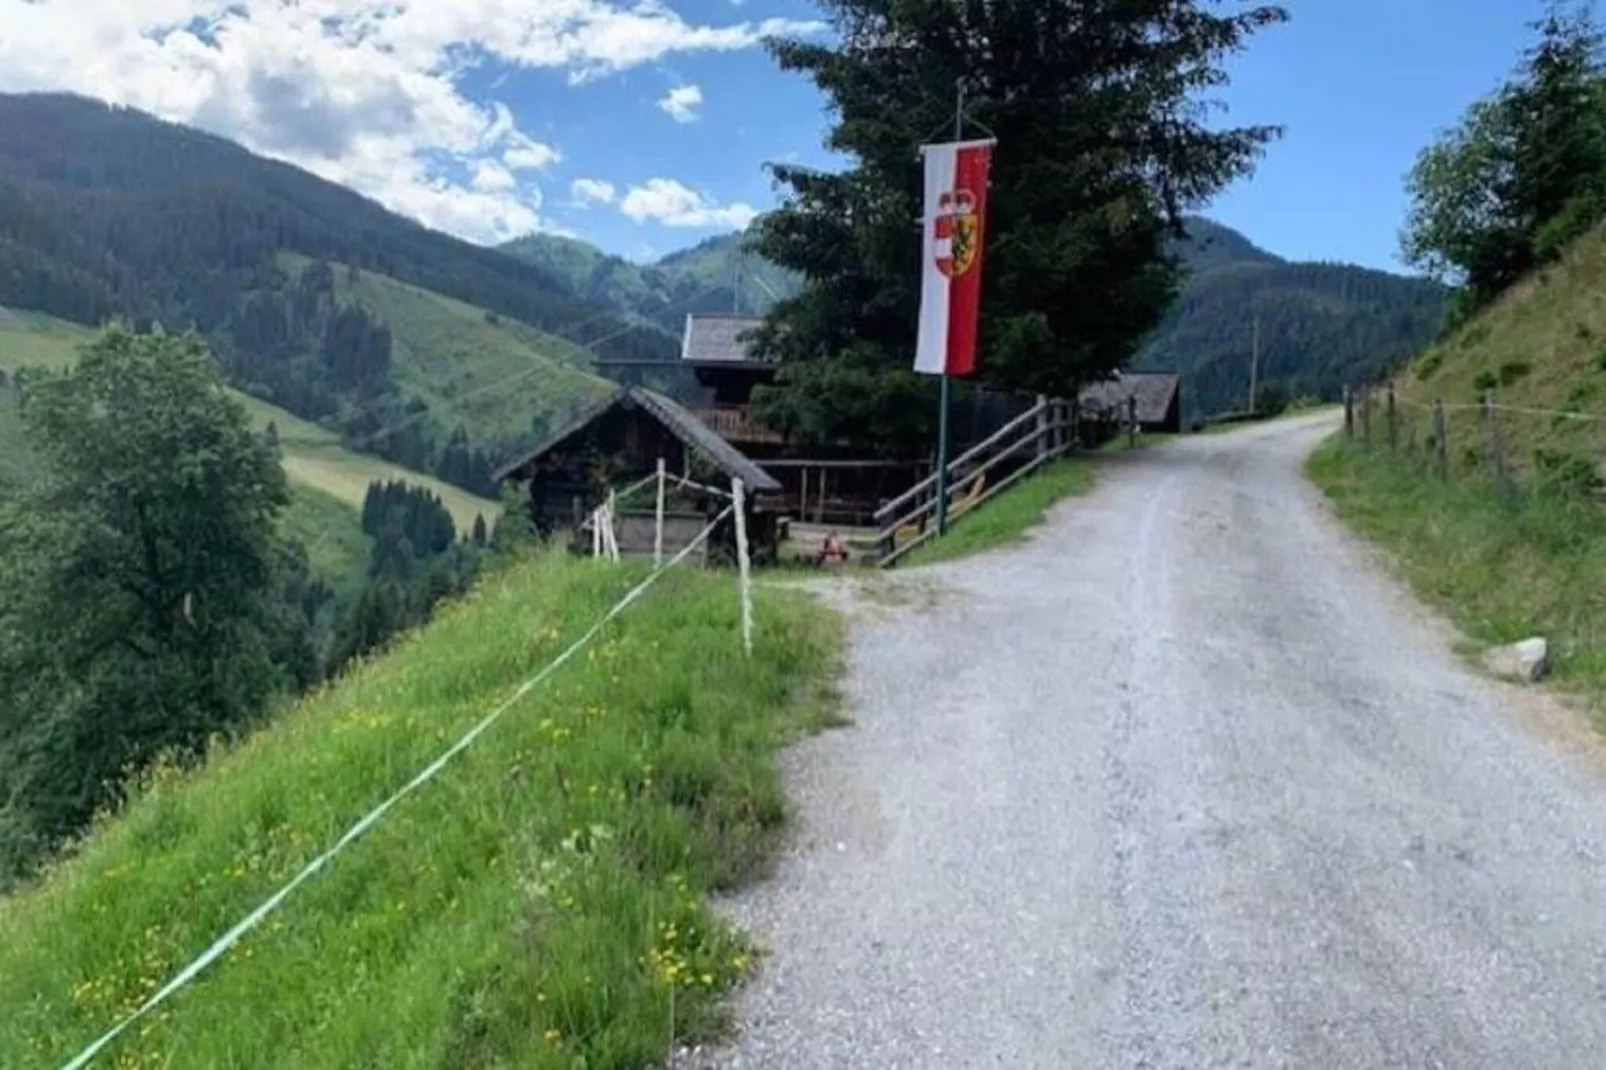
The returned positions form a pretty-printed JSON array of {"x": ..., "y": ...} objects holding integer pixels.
[{"x": 222, "y": 945}]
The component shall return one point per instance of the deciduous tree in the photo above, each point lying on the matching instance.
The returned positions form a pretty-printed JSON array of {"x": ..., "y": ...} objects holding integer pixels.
[{"x": 140, "y": 570}]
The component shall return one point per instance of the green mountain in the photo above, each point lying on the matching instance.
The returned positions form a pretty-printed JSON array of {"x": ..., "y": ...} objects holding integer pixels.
[
  {"x": 718, "y": 275},
  {"x": 1320, "y": 325},
  {"x": 108, "y": 212}
]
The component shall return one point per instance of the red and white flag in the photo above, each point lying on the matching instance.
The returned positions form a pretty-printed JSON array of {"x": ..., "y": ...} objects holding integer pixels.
[{"x": 955, "y": 224}]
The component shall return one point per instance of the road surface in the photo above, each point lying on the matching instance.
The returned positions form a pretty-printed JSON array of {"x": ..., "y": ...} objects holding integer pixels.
[{"x": 1182, "y": 783}]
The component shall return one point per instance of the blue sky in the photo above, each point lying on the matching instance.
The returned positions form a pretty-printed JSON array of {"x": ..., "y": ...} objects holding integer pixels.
[
  {"x": 643, "y": 125},
  {"x": 1360, "y": 85}
]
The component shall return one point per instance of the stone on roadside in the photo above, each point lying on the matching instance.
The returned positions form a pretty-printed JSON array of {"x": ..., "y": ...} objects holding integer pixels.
[{"x": 1527, "y": 661}]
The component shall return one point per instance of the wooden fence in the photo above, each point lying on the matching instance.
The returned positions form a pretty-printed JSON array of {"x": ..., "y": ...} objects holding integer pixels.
[{"x": 1041, "y": 434}]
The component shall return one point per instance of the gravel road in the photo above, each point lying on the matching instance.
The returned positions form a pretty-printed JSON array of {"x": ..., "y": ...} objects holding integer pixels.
[{"x": 1183, "y": 782}]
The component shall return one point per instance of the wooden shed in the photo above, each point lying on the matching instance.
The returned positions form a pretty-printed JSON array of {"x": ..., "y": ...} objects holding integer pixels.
[
  {"x": 619, "y": 440},
  {"x": 1158, "y": 398}
]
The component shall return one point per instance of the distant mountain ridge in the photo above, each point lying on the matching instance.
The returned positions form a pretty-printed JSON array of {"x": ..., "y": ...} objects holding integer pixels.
[
  {"x": 1317, "y": 325},
  {"x": 718, "y": 275},
  {"x": 1321, "y": 324},
  {"x": 109, "y": 212}
]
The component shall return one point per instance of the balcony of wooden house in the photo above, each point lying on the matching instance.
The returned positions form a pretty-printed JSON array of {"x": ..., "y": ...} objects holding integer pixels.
[{"x": 735, "y": 424}]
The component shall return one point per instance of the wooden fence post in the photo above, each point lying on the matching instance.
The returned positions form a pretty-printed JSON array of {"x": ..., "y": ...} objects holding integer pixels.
[
  {"x": 1441, "y": 450},
  {"x": 1366, "y": 417},
  {"x": 1043, "y": 426},
  {"x": 1394, "y": 423},
  {"x": 612, "y": 537},
  {"x": 1132, "y": 422},
  {"x": 1349, "y": 412},
  {"x": 743, "y": 564},
  {"x": 1496, "y": 451},
  {"x": 658, "y": 522}
]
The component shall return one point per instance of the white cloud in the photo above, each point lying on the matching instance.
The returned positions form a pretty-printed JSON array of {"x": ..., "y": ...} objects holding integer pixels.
[
  {"x": 524, "y": 154},
  {"x": 681, "y": 103},
  {"x": 588, "y": 191},
  {"x": 362, "y": 92},
  {"x": 492, "y": 177},
  {"x": 676, "y": 205}
]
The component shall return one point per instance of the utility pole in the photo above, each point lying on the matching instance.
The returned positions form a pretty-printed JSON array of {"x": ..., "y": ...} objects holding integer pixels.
[{"x": 1254, "y": 365}]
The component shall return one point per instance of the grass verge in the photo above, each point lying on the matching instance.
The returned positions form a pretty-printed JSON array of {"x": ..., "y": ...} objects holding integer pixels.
[
  {"x": 540, "y": 904},
  {"x": 1502, "y": 568},
  {"x": 1007, "y": 518}
]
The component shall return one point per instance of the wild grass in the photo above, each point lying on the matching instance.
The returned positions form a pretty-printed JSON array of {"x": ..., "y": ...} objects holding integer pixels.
[
  {"x": 312, "y": 455},
  {"x": 1541, "y": 346},
  {"x": 1008, "y": 518},
  {"x": 331, "y": 530},
  {"x": 32, "y": 339},
  {"x": 501, "y": 379},
  {"x": 540, "y": 904},
  {"x": 15, "y": 466},
  {"x": 1502, "y": 566}
]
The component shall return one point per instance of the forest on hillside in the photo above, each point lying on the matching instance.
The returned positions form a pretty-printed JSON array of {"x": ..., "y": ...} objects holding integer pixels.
[
  {"x": 106, "y": 212},
  {"x": 1315, "y": 327}
]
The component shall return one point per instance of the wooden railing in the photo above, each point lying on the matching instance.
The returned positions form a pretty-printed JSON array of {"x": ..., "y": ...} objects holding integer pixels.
[
  {"x": 1037, "y": 436},
  {"x": 735, "y": 424}
]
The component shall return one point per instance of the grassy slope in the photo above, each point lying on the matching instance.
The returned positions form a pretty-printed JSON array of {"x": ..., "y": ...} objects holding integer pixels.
[
  {"x": 337, "y": 548},
  {"x": 30, "y": 338},
  {"x": 496, "y": 379},
  {"x": 1007, "y": 518},
  {"x": 540, "y": 902},
  {"x": 1501, "y": 570},
  {"x": 13, "y": 447},
  {"x": 1555, "y": 324},
  {"x": 1526, "y": 564},
  {"x": 313, "y": 455}
]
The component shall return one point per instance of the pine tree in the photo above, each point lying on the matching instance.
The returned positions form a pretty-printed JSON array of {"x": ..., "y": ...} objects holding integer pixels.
[{"x": 1102, "y": 147}]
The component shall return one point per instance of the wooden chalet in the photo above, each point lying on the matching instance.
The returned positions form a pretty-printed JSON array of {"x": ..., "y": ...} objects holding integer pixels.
[
  {"x": 618, "y": 440},
  {"x": 1105, "y": 405},
  {"x": 830, "y": 484}
]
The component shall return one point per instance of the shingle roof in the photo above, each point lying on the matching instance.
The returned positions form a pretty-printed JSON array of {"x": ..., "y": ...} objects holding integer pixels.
[
  {"x": 1154, "y": 391},
  {"x": 675, "y": 418},
  {"x": 716, "y": 339}
]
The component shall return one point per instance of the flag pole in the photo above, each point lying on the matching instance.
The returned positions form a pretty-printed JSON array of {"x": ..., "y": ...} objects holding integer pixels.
[{"x": 942, "y": 411}]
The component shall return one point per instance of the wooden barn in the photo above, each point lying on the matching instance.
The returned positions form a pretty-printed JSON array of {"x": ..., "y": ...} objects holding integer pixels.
[
  {"x": 619, "y": 440},
  {"x": 1103, "y": 407},
  {"x": 836, "y": 484}
]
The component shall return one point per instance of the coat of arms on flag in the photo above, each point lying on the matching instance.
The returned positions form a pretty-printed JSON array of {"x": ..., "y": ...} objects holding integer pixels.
[{"x": 955, "y": 228}]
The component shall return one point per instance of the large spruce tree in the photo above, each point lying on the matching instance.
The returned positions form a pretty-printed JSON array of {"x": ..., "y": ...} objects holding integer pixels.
[{"x": 1100, "y": 113}]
